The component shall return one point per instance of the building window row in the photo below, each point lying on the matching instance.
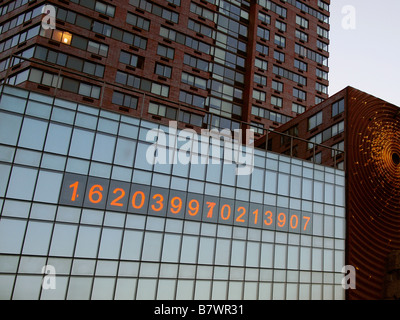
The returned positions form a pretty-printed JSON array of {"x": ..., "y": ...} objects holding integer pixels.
[
  {"x": 101, "y": 28},
  {"x": 141, "y": 84},
  {"x": 269, "y": 5},
  {"x": 326, "y": 134},
  {"x": 138, "y": 21},
  {"x": 175, "y": 114},
  {"x": 55, "y": 81},
  {"x": 98, "y": 6},
  {"x": 279, "y": 71},
  {"x": 270, "y": 115},
  {"x": 21, "y": 19},
  {"x": 64, "y": 60},
  {"x": 185, "y": 40},
  {"x": 19, "y": 38},
  {"x": 125, "y": 100},
  {"x": 310, "y": 54},
  {"x": 156, "y": 10},
  {"x": 76, "y": 41},
  {"x": 13, "y": 5}
]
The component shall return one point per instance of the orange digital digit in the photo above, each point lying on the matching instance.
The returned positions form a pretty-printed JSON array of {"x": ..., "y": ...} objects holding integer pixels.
[
  {"x": 210, "y": 206},
  {"x": 281, "y": 220},
  {"x": 307, "y": 221},
  {"x": 239, "y": 218},
  {"x": 141, "y": 203},
  {"x": 115, "y": 201},
  {"x": 295, "y": 224},
  {"x": 268, "y": 220},
  {"x": 94, "y": 193},
  {"x": 176, "y": 204},
  {"x": 75, "y": 186},
  {"x": 225, "y": 206},
  {"x": 159, "y": 202},
  {"x": 255, "y": 213},
  {"x": 193, "y": 209}
]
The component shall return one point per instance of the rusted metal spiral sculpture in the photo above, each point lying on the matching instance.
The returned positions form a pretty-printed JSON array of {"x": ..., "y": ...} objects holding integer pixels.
[{"x": 373, "y": 198}]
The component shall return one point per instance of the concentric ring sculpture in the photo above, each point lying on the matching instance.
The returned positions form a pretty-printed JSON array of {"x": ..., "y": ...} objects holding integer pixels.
[{"x": 373, "y": 190}]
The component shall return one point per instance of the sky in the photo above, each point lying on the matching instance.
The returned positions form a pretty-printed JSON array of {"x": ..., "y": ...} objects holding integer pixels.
[{"x": 365, "y": 47}]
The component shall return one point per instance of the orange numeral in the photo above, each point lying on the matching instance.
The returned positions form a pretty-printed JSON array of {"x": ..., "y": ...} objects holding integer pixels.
[
  {"x": 268, "y": 218},
  {"x": 307, "y": 221},
  {"x": 75, "y": 192},
  {"x": 176, "y": 207},
  {"x": 159, "y": 202},
  {"x": 98, "y": 193},
  {"x": 222, "y": 212},
  {"x": 194, "y": 210},
  {"x": 211, "y": 206},
  {"x": 141, "y": 193},
  {"x": 115, "y": 201},
  {"x": 239, "y": 218}
]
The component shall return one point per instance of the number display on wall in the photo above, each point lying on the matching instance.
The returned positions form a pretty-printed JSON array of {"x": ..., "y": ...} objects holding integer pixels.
[{"x": 104, "y": 194}]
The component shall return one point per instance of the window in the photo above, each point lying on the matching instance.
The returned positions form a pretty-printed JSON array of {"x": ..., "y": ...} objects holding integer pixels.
[
  {"x": 280, "y": 25},
  {"x": 131, "y": 59},
  {"x": 259, "y": 95},
  {"x": 165, "y": 51},
  {"x": 302, "y": 36},
  {"x": 261, "y": 64},
  {"x": 315, "y": 121},
  {"x": 138, "y": 21},
  {"x": 279, "y": 56},
  {"x": 280, "y": 41},
  {"x": 192, "y": 99},
  {"x": 338, "y": 108},
  {"x": 195, "y": 62},
  {"x": 298, "y": 108},
  {"x": 163, "y": 70},
  {"x": 263, "y": 49},
  {"x": 263, "y": 33},
  {"x": 194, "y": 81},
  {"x": 322, "y": 32},
  {"x": 259, "y": 79},
  {"x": 277, "y": 86},
  {"x": 264, "y": 17},
  {"x": 162, "y": 110},
  {"x": 302, "y": 22},
  {"x": 300, "y": 65},
  {"x": 321, "y": 88},
  {"x": 124, "y": 100},
  {"x": 276, "y": 101},
  {"x": 299, "y": 94}
]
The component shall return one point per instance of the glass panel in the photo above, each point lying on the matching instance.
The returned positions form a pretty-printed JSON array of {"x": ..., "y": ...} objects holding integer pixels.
[
  {"x": 110, "y": 243},
  {"x": 48, "y": 187},
  {"x": 33, "y": 134},
  {"x": 104, "y": 148},
  {"x": 37, "y": 238},
  {"x": 82, "y": 144},
  {"x": 125, "y": 152},
  {"x": 11, "y": 229},
  {"x": 58, "y": 139},
  {"x": 22, "y": 183},
  {"x": 88, "y": 242},
  {"x": 63, "y": 240},
  {"x": 9, "y": 128}
]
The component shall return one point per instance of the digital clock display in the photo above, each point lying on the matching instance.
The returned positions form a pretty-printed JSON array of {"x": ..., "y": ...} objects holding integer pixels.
[{"x": 104, "y": 194}]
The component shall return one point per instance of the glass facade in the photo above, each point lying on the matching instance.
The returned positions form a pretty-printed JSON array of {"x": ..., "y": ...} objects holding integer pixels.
[{"x": 78, "y": 197}]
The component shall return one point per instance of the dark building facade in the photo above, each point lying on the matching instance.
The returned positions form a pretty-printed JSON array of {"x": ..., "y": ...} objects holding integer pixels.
[
  {"x": 367, "y": 130},
  {"x": 212, "y": 63}
]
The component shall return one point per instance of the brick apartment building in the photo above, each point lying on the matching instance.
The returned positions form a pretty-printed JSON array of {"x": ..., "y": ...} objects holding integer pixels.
[{"x": 205, "y": 63}]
